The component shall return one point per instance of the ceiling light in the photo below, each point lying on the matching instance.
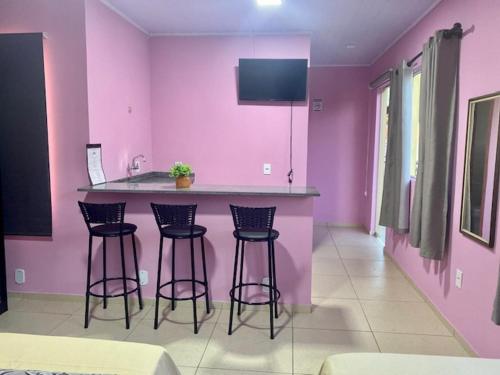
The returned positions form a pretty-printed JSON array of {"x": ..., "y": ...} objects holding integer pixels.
[
  {"x": 350, "y": 46},
  {"x": 267, "y": 3}
]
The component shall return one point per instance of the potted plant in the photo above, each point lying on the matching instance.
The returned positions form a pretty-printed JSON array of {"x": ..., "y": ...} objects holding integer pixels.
[{"x": 182, "y": 174}]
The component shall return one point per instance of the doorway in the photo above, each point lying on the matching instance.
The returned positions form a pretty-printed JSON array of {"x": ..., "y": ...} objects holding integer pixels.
[{"x": 383, "y": 118}]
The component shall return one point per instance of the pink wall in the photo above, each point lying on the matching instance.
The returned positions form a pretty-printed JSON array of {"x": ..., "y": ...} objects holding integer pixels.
[
  {"x": 55, "y": 264},
  {"x": 118, "y": 77},
  {"x": 468, "y": 309},
  {"x": 82, "y": 32},
  {"x": 197, "y": 120},
  {"x": 337, "y": 144}
]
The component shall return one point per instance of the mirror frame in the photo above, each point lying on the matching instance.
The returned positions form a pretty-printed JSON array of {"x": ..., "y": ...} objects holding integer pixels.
[{"x": 470, "y": 127}]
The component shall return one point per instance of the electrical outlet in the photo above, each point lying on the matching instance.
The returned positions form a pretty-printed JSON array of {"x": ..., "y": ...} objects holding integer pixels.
[
  {"x": 20, "y": 276},
  {"x": 265, "y": 280},
  {"x": 459, "y": 278},
  {"x": 267, "y": 168},
  {"x": 143, "y": 277}
]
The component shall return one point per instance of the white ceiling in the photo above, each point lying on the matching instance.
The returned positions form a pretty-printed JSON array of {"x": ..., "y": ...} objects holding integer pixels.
[{"x": 370, "y": 25}]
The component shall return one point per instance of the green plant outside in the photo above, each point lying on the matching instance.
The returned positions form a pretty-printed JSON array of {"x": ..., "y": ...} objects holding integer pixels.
[{"x": 180, "y": 170}]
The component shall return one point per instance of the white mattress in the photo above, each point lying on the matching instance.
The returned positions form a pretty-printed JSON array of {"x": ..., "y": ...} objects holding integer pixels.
[
  {"x": 406, "y": 364},
  {"x": 77, "y": 355}
]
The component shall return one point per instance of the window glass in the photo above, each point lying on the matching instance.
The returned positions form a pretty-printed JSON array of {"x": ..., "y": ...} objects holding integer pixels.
[{"x": 415, "y": 124}]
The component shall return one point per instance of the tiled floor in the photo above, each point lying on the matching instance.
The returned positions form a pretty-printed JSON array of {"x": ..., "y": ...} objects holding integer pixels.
[{"x": 361, "y": 303}]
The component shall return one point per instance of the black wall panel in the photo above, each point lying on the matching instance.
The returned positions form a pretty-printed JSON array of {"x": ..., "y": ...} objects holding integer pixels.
[{"x": 24, "y": 151}]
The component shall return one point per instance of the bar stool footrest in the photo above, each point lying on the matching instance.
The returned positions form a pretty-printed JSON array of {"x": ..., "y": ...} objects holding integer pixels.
[
  {"x": 129, "y": 291},
  {"x": 182, "y": 298},
  {"x": 267, "y": 302}
]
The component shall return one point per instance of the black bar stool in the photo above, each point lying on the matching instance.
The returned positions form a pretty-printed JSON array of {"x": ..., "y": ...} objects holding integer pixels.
[
  {"x": 177, "y": 223},
  {"x": 254, "y": 225},
  {"x": 106, "y": 220}
]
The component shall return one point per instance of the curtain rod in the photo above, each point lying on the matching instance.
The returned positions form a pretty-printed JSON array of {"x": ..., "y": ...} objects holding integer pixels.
[{"x": 456, "y": 30}]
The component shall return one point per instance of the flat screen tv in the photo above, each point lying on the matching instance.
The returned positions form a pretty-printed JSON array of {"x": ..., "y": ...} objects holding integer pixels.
[{"x": 272, "y": 80}]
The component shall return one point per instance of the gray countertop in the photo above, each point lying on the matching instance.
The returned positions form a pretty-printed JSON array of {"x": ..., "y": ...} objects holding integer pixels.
[{"x": 160, "y": 183}]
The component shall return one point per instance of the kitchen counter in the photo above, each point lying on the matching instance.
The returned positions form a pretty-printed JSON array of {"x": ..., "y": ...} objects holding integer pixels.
[
  {"x": 161, "y": 183},
  {"x": 293, "y": 219}
]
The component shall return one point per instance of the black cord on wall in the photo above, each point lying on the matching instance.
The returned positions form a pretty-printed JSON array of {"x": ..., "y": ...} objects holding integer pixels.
[{"x": 290, "y": 173}]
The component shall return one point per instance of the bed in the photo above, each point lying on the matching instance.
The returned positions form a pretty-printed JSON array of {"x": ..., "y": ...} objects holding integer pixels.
[
  {"x": 83, "y": 356},
  {"x": 407, "y": 364}
]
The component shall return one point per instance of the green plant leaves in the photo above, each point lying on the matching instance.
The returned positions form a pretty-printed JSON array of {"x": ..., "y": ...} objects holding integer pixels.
[{"x": 180, "y": 170}]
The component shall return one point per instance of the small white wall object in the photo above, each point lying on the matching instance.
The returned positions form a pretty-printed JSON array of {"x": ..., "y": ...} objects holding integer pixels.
[
  {"x": 267, "y": 168},
  {"x": 459, "y": 278},
  {"x": 20, "y": 276},
  {"x": 143, "y": 277},
  {"x": 317, "y": 105}
]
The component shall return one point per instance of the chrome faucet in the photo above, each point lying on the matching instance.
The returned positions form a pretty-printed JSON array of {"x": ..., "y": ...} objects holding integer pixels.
[{"x": 135, "y": 166}]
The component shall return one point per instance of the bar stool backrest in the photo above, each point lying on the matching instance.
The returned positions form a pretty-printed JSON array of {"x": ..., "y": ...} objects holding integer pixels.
[
  {"x": 169, "y": 214},
  {"x": 102, "y": 213},
  {"x": 253, "y": 218}
]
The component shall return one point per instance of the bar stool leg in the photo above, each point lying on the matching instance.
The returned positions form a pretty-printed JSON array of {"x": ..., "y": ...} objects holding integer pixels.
[
  {"x": 274, "y": 282},
  {"x": 136, "y": 265},
  {"x": 124, "y": 275},
  {"x": 241, "y": 275},
  {"x": 271, "y": 293},
  {"x": 193, "y": 286},
  {"x": 173, "y": 275},
  {"x": 205, "y": 274},
  {"x": 158, "y": 283},
  {"x": 105, "y": 298},
  {"x": 235, "y": 269},
  {"x": 87, "y": 292}
]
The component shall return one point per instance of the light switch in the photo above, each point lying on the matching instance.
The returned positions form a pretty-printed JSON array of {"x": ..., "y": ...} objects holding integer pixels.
[
  {"x": 459, "y": 278},
  {"x": 267, "y": 168}
]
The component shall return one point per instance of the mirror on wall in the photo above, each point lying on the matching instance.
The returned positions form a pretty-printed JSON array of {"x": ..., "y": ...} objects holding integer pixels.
[{"x": 480, "y": 189}]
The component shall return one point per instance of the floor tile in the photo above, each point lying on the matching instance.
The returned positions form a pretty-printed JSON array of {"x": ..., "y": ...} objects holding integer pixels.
[
  {"x": 321, "y": 236},
  {"x": 116, "y": 309},
  {"x": 209, "y": 371},
  {"x": 325, "y": 252},
  {"x": 354, "y": 237},
  {"x": 30, "y": 322},
  {"x": 257, "y": 319},
  {"x": 419, "y": 344},
  {"x": 14, "y": 300},
  {"x": 403, "y": 317},
  {"x": 98, "y": 329},
  {"x": 340, "y": 314},
  {"x": 183, "y": 312},
  {"x": 46, "y": 304},
  {"x": 187, "y": 370},
  {"x": 328, "y": 266},
  {"x": 372, "y": 268},
  {"x": 185, "y": 348},
  {"x": 387, "y": 289},
  {"x": 311, "y": 346},
  {"x": 360, "y": 252},
  {"x": 249, "y": 349},
  {"x": 324, "y": 286}
]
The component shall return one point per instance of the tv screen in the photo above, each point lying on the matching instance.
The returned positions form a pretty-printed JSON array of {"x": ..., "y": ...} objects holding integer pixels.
[{"x": 272, "y": 79}]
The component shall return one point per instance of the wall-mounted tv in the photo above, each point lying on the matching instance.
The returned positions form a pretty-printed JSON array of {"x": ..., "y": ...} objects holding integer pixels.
[{"x": 272, "y": 80}]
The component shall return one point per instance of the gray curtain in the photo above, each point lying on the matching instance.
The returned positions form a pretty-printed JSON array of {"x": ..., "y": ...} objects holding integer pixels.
[
  {"x": 438, "y": 92},
  {"x": 496, "y": 305},
  {"x": 395, "y": 207}
]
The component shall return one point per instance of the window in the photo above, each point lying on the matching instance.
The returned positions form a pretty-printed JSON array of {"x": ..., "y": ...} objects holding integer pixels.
[{"x": 415, "y": 124}]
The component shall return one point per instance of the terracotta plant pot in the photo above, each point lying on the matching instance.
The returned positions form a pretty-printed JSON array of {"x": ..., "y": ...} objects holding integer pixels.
[{"x": 183, "y": 182}]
